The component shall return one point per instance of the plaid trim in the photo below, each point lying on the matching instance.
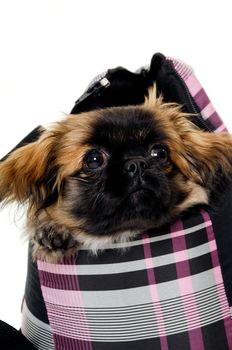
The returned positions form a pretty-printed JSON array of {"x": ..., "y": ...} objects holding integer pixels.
[
  {"x": 94, "y": 303},
  {"x": 199, "y": 95}
]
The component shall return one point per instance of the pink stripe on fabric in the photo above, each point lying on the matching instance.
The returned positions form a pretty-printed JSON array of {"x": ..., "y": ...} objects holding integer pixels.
[
  {"x": 180, "y": 256},
  {"x": 210, "y": 235},
  {"x": 66, "y": 298},
  {"x": 183, "y": 69},
  {"x": 197, "y": 92},
  {"x": 183, "y": 255},
  {"x": 228, "y": 327},
  {"x": 222, "y": 127},
  {"x": 178, "y": 232},
  {"x": 193, "y": 84},
  {"x": 59, "y": 269},
  {"x": 62, "y": 297},
  {"x": 201, "y": 99},
  {"x": 185, "y": 286},
  {"x": 154, "y": 293},
  {"x": 212, "y": 245},
  {"x": 219, "y": 280},
  {"x": 208, "y": 110},
  {"x": 71, "y": 344},
  {"x": 214, "y": 120}
]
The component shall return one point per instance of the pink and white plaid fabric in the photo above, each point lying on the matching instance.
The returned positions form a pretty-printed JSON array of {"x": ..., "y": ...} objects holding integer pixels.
[
  {"x": 165, "y": 292},
  {"x": 199, "y": 95}
]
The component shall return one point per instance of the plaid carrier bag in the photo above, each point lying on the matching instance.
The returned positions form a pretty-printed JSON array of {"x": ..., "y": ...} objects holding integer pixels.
[{"x": 172, "y": 288}]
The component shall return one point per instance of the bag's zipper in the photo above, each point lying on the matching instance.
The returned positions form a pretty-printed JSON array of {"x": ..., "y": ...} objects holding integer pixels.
[
  {"x": 94, "y": 88},
  {"x": 101, "y": 82},
  {"x": 195, "y": 108}
]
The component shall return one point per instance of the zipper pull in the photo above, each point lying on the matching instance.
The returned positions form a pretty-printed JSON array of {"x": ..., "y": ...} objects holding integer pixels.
[{"x": 94, "y": 89}]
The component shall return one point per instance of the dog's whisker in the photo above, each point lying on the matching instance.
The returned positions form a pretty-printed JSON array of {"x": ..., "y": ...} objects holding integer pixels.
[
  {"x": 99, "y": 195},
  {"x": 81, "y": 179}
]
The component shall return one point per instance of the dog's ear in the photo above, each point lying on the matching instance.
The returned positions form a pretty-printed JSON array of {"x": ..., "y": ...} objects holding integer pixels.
[
  {"x": 206, "y": 157},
  {"x": 210, "y": 154},
  {"x": 28, "y": 174}
]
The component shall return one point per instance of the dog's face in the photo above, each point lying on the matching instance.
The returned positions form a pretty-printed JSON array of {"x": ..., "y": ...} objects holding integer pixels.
[
  {"x": 126, "y": 179},
  {"x": 116, "y": 170}
]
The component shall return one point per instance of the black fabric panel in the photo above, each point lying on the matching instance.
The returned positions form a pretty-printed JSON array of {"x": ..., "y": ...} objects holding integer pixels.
[
  {"x": 222, "y": 224},
  {"x": 126, "y": 88},
  {"x": 33, "y": 294},
  {"x": 179, "y": 341},
  {"x": 214, "y": 336},
  {"x": 200, "y": 264},
  {"x": 12, "y": 339},
  {"x": 144, "y": 344}
]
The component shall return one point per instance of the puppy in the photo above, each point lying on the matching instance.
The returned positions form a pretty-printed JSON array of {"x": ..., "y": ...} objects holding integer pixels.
[{"x": 110, "y": 174}]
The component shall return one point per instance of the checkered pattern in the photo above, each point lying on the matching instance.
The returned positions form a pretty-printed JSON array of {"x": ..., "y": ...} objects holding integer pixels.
[
  {"x": 199, "y": 95},
  {"x": 164, "y": 292}
]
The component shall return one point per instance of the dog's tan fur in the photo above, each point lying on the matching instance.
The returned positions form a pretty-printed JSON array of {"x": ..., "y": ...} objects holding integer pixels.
[{"x": 196, "y": 153}]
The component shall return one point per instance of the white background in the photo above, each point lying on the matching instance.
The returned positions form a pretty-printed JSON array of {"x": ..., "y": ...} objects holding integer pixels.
[{"x": 51, "y": 49}]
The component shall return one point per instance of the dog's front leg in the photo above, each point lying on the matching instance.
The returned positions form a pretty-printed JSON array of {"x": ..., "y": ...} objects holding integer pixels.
[{"x": 51, "y": 241}]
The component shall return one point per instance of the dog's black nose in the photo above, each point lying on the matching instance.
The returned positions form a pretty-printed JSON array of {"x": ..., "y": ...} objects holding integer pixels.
[{"x": 135, "y": 166}]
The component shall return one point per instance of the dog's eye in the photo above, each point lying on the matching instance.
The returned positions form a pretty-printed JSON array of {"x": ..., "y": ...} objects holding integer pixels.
[
  {"x": 160, "y": 153},
  {"x": 94, "y": 160}
]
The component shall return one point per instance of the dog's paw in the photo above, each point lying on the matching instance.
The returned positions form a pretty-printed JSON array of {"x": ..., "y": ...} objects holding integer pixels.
[{"x": 52, "y": 242}]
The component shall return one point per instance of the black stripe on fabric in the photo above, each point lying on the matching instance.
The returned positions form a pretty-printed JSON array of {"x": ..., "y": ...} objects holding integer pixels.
[
  {"x": 60, "y": 281},
  {"x": 214, "y": 336},
  {"x": 113, "y": 282},
  {"x": 110, "y": 256},
  {"x": 179, "y": 341},
  {"x": 144, "y": 344},
  {"x": 192, "y": 217},
  {"x": 165, "y": 273},
  {"x": 198, "y": 237},
  {"x": 200, "y": 264},
  {"x": 33, "y": 293},
  {"x": 124, "y": 280},
  {"x": 160, "y": 248}
]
